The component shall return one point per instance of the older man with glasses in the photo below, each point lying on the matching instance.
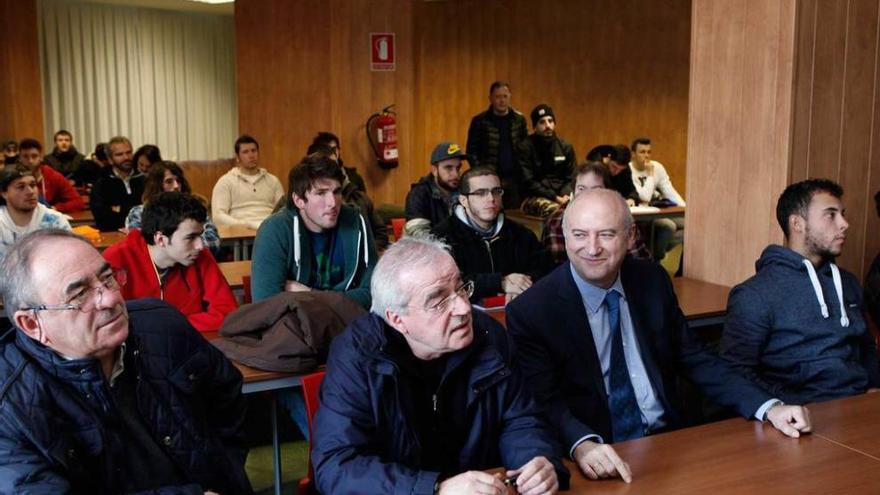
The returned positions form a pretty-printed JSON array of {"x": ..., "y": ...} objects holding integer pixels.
[
  {"x": 422, "y": 395},
  {"x": 103, "y": 397},
  {"x": 499, "y": 255}
]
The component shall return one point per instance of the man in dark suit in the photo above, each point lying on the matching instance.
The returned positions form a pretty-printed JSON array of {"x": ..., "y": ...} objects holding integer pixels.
[{"x": 602, "y": 338}]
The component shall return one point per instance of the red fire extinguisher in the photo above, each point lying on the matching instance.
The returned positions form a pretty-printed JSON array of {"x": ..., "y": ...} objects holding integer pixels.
[{"x": 382, "y": 135}]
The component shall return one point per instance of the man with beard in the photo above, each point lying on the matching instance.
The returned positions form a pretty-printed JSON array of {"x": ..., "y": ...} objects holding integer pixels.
[
  {"x": 53, "y": 188},
  {"x": 499, "y": 255},
  {"x": 430, "y": 200},
  {"x": 20, "y": 212},
  {"x": 166, "y": 258},
  {"x": 422, "y": 395},
  {"x": 100, "y": 396},
  {"x": 796, "y": 327},
  {"x": 546, "y": 162},
  {"x": 314, "y": 241},
  {"x": 65, "y": 158},
  {"x": 116, "y": 192}
]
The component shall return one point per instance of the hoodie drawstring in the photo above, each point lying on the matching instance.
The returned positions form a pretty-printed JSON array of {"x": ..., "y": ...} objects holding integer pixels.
[{"x": 817, "y": 289}]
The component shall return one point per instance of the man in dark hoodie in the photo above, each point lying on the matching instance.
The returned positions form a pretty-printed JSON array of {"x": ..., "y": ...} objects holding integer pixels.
[
  {"x": 872, "y": 281},
  {"x": 65, "y": 158},
  {"x": 796, "y": 326},
  {"x": 546, "y": 162}
]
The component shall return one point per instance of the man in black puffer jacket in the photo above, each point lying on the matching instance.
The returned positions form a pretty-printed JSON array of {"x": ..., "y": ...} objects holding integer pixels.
[{"x": 100, "y": 397}]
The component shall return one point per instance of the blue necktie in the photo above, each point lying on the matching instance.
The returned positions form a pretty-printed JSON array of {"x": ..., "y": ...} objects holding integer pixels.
[{"x": 626, "y": 418}]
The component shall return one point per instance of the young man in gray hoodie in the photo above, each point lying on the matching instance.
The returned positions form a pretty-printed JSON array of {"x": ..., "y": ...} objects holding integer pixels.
[{"x": 796, "y": 326}]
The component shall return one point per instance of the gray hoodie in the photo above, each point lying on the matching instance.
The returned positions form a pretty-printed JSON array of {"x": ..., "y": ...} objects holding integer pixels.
[{"x": 798, "y": 331}]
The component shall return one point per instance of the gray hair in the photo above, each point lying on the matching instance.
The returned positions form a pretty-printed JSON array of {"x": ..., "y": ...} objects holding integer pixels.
[
  {"x": 388, "y": 284},
  {"x": 15, "y": 286},
  {"x": 628, "y": 220}
]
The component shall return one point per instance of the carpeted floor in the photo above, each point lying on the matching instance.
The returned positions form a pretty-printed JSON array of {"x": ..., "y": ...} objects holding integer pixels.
[{"x": 294, "y": 465}]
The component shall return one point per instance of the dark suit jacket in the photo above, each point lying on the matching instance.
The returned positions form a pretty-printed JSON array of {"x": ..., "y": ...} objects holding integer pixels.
[{"x": 556, "y": 351}]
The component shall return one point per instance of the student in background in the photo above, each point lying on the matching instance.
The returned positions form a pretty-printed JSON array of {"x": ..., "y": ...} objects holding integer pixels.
[
  {"x": 120, "y": 189},
  {"x": 20, "y": 212},
  {"x": 247, "y": 194},
  {"x": 430, "y": 200},
  {"x": 146, "y": 156},
  {"x": 653, "y": 184},
  {"x": 64, "y": 158},
  {"x": 54, "y": 189},
  {"x": 546, "y": 162}
]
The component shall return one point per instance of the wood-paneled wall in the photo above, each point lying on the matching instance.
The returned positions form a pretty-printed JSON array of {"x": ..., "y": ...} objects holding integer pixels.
[
  {"x": 611, "y": 70},
  {"x": 21, "y": 114},
  {"x": 780, "y": 91}
]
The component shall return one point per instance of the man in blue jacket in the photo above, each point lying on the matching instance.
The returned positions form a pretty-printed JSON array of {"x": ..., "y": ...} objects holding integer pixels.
[
  {"x": 421, "y": 395},
  {"x": 796, "y": 326},
  {"x": 100, "y": 397},
  {"x": 315, "y": 242}
]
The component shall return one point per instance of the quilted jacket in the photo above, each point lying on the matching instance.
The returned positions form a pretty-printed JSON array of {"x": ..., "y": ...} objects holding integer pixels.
[{"x": 58, "y": 421}]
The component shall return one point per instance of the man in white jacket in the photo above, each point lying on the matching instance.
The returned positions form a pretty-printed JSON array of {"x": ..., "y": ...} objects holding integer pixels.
[
  {"x": 20, "y": 210},
  {"x": 247, "y": 194},
  {"x": 652, "y": 184}
]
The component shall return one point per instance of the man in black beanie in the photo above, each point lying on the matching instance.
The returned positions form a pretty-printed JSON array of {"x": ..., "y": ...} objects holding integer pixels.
[{"x": 547, "y": 163}]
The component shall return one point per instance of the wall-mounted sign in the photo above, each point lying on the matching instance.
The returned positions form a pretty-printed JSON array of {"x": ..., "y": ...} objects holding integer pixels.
[{"x": 382, "y": 51}]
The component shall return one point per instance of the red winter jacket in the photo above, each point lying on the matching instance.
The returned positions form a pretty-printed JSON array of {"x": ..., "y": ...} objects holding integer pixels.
[
  {"x": 199, "y": 291},
  {"x": 58, "y": 192}
]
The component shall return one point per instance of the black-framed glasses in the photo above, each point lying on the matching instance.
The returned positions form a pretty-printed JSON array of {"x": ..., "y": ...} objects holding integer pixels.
[
  {"x": 484, "y": 193},
  {"x": 465, "y": 290},
  {"x": 88, "y": 299}
]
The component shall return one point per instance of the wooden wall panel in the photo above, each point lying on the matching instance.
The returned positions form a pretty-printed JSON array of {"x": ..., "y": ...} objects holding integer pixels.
[
  {"x": 837, "y": 115},
  {"x": 303, "y": 67},
  {"x": 739, "y": 130},
  {"x": 22, "y": 113}
]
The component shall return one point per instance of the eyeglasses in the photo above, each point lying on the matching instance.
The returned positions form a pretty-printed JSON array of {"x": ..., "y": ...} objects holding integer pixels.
[
  {"x": 465, "y": 290},
  {"x": 484, "y": 193},
  {"x": 88, "y": 299}
]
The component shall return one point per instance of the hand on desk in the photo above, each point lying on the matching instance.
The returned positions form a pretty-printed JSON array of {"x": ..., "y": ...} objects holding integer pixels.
[
  {"x": 515, "y": 284},
  {"x": 294, "y": 286},
  {"x": 790, "y": 420},
  {"x": 473, "y": 482},
  {"x": 599, "y": 461},
  {"x": 536, "y": 477}
]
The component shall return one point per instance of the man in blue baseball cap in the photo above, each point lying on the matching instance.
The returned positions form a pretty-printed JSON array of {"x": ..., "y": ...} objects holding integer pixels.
[{"x": 430, "y": 200}]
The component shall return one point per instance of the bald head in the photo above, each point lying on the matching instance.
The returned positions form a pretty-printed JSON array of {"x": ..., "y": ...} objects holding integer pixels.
[{"x": 606, "y": 199}]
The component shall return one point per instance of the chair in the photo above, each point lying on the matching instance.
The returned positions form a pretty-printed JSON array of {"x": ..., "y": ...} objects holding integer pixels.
[
  {"x": 246, "y": 285},
  {"x": 311, "y": 384},
  {"x": 397, "y": 225}
]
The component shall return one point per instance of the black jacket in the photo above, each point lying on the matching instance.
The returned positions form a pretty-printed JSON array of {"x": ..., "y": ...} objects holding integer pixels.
[
  {"x": 425, "y": 200},
  {"x": 512, "y": 249},
  {"x": 59, "y": 431},
  {"x": 546, "y": 166},
  {"x": 66, "y": 163},
  {"x": 110, "y": 201},
  {"x": 484, "y": 138}
]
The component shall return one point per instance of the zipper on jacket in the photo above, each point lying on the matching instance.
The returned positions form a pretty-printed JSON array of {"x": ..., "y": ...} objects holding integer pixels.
[{"x": 489, "y": 252}]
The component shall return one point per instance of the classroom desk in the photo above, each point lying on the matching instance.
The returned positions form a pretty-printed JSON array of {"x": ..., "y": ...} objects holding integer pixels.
[
  {"x": 702, "y": 303},
  {"x": 738, "y": 456},
  {"x": 853, "y": 422},
  {"x": 234, "y": 272},
  {"x": 240, "y": 237},
  {"x": 108, "y": 239},
  {"x": 255, "y": 380},
  {"x": 84, "y": 217}
]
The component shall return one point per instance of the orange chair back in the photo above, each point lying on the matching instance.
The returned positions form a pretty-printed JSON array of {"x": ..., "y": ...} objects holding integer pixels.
[{"x": 311, "y": 385}]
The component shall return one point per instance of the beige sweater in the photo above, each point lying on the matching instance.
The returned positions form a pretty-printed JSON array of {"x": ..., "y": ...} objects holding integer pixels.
[{"x": 240, "y": 199}]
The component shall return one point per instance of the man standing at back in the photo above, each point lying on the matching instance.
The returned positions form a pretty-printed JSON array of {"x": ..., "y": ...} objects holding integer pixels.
[
  {"x": 493, "y": 137},
  {"x": 54, "y": 189},
  {"x": 547, "y": 163},
  {"x": 796, "y": 327},
  {"x": 430, "y": 200},
  {"x": 247, "y": 194},
  {"x": 117, "y": 191}
]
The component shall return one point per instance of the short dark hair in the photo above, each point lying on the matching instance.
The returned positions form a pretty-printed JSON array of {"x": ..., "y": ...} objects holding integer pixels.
[
  {"x": 592, "y": 167},
  {"x": 498, "y": 84},
  {"x": 621, "y": 154},
  {"x": 326, "y": 137},
  {"x": 62, "y": 132},
  {"x": 29, "y": 144},
  {"x": 245, "y": 139},
  {"x": 642, "y": 140},
  {"x": 464, "y": 187},
  {"x": 151, "y": 151},
  {"x": 309, "y": 170},
  {"x": 796, "y": 198},
  {"x": 101, "y": 151},
  {"x": 156, "y": 177},
  {"x": 10, "y": 174},
  {"x": 167, "y": 211},
  {"x": 321, "y": 149}
]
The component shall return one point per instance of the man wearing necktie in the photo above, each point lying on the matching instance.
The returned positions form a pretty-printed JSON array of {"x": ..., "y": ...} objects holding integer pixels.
[{"x": 602, "y": 340}]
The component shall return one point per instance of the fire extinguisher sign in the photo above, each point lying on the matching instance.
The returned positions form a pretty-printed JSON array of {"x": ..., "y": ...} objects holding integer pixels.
[{"x": 382, "y": 52}]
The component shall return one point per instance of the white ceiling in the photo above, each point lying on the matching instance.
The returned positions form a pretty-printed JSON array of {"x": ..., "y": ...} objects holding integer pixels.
[{"x": 178, "y": 5}]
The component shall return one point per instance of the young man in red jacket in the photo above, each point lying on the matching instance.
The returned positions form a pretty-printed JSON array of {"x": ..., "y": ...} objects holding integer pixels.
[
  {"x": 167, "y": 259},
  {"x": 54, "y": 189}
]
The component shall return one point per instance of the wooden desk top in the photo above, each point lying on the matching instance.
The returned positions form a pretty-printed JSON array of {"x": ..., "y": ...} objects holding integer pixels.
[
  {"x": 84, "y": 217},
  {"x": 700, "y": 299},
  {"x": 739, "y": 456},
  {"x": 234, "y": 271},
  {"x": 233, "y": 232},
  {"x": 108, "y": 239},
  {"x": 853, "y": 422}
]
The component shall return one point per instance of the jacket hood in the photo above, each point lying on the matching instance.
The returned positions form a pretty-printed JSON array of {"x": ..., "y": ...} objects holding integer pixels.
[
  {"x": 462, "y": 216},
  {"x": 786, "y": 263}
]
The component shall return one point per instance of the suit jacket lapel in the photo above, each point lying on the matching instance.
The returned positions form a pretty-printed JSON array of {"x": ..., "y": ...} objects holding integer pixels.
[
  {"x": 577, "y": 326},
  {"x": 637, "y": 300}
]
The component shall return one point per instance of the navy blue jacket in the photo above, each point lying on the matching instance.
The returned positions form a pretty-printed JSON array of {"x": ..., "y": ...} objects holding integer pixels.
[
  {"x": 364, "y": 441},
  {"x": 556, "y": 351},
  {"x": 57, "y": 416},
  {"x": 775, "y": 332}
]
